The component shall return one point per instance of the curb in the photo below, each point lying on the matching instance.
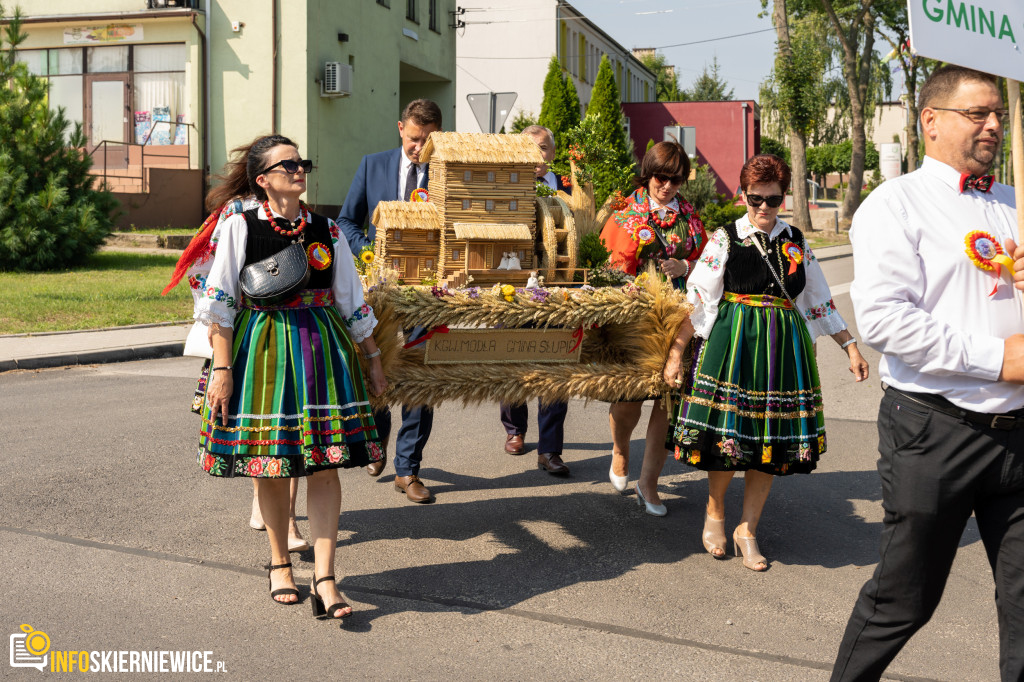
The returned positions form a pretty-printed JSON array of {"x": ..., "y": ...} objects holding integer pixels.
[{"x": 96, "y": 357}]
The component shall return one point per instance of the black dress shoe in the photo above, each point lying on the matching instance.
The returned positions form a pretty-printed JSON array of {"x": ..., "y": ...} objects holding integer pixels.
[{"x": 552, "y": 463}]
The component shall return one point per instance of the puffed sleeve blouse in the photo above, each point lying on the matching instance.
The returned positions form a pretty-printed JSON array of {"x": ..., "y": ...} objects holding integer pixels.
[
  {"x": 705, "y": 285},
  {"x": 220, "y": 299}
]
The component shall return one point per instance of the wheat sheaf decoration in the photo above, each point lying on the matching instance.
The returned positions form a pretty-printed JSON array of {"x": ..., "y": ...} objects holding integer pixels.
[{"x": 627, "y": 332}]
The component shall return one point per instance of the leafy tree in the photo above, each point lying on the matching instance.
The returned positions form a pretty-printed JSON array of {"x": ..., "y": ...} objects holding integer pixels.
[
  {"x": 521, "y": 121},
  {"x": 721, "y": 212},
  {"x": 610, "y": 131},
  {"x": 710, "y": 86},
  {"x": 701, "y": 189},
  {"x": 769, "y": 145},
  {"x": 667, "y": 85},
  {"x": 50, "y": 215}
]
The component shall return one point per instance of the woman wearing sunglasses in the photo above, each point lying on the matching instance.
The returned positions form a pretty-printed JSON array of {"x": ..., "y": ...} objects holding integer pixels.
[
  {"x": 660, "y": 227},
  {"x": 286, "y": 396},
  {"x": 754, "y": 402}
]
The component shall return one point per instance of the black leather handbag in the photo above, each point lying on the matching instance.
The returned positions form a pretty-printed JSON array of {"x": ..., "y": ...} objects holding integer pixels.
[{"x": 277, "y": 277}]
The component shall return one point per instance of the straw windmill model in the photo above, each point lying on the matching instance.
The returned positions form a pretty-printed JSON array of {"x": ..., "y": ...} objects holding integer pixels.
[{"x": 482, "y": 205}]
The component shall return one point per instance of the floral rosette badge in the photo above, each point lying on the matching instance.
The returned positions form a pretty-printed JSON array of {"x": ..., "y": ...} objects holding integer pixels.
[
  {"x": 795, "y": 255},
  {"x": 419, "y": 194},
  {"x": 642, "y": 234},
  {"x": 985, "y": 252}
]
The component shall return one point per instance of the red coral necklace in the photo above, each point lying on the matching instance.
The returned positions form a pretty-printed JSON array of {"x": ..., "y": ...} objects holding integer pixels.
[
  {"x": 668, "y": 222},
  {"x": 299, "y": 225}
]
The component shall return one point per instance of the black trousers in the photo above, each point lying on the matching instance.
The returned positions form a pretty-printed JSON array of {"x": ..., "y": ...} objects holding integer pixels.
[
  {"x": 936, "y": 471},
  {"x": 550, "y": 423}
]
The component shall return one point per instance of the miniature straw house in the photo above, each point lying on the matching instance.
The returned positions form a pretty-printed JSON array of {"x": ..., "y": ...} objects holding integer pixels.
[{"x": 481, "y": 206}]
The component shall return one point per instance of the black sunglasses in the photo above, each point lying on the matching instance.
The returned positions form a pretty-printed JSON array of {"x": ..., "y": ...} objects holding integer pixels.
[
  {"x": 774, "y": 201},
  {"x": 674, "y": 179},
  {"x": 291, "y": 166}
]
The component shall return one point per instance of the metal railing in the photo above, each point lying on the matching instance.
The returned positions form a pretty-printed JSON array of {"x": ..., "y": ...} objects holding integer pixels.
[{"x": 109, "y": 149}]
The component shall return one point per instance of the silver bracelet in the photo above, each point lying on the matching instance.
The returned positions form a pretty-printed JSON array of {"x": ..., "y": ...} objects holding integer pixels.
[
  {"x": 847, "y": 343},
  {"x": 373, "y": 354}
]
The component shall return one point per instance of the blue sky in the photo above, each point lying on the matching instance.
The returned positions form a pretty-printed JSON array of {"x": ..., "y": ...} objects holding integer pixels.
[{"x": 744, "y": 62}]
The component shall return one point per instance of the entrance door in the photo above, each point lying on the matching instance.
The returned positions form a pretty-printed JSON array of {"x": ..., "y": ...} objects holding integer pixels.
[
  {"x": 476, "y": 257},
  {"x": 106, "y": 109}
]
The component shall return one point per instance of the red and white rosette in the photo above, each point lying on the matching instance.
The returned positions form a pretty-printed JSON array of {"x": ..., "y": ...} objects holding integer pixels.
[{"x": 795, "y": 255}]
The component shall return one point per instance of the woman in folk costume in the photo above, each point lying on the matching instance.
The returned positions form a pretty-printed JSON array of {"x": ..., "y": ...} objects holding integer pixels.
[
  {"x": 754, "y": 402},
  {"x": 232, "y": 195},
  {"x": 286, "y": 397},
  {"x": 657, "y": 225}
]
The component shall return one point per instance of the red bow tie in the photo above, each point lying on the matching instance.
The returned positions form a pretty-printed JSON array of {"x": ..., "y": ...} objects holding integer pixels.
[{"x": 981, "y": 183}]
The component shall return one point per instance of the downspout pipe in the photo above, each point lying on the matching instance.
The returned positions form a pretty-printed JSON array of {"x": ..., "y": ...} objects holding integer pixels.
[
  {"x": 204, "y": 51},
  {"x": 745, "y": 148},
  {"x": 273, "y": 69}
]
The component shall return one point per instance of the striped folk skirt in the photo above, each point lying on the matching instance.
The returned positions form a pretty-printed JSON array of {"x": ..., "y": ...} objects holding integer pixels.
[
  {"x": 299, "y": 404},
  {"x": 754, "y": 399}
]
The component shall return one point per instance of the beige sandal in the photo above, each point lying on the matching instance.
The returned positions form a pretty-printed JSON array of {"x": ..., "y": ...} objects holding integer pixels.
[
  {"x": 714, "y": 536},
  {"x": 752, "y": 556}
]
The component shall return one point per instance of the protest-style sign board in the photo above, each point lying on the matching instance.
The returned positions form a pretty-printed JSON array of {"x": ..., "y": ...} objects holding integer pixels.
[{"x": 985, "y": 35}]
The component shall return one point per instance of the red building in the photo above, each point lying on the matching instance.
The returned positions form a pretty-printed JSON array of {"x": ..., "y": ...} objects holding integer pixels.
[{"x": 727, "y": 133}]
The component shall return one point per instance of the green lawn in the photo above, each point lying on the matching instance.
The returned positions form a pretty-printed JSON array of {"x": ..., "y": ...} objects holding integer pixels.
[{"x": 113, "y": 289}]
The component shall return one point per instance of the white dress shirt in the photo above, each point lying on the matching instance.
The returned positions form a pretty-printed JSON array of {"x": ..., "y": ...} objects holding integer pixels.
[
  {"x": 549, "y": 179},
  {"x": 655, "y": 206},
  {"x": 220, "y": 297},
  {"x": 922, "y": 302},
  {"x": 403, "y": 171},
  {"x": 706, "y": 283}
]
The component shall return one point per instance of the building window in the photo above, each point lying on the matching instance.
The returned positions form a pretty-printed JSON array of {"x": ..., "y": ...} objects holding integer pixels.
[
  {"x": 411, "y": 12},
  {"x": 466, "y": 204},
  {"x": 581, "y": 58},
  {"x": 513, "y": 205},
  {"x": 490, "y": 176},
  {"x": 489, "y": 205},
  {"x": 513, "y": 177},
  {"x": 396, "y": 263},
  {"x": 433, "y": 16},
  {"x": 456, "y": 255},
  {"x": 522, "y": 255},
  {"x": 467, "y": 176},
  {"x": 428, "y": 264},
  {"x": 431, "y": 236},
  {"x": 397, "y": 235}
]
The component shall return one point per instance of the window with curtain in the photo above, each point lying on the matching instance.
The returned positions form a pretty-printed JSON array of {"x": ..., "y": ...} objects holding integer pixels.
[
  {"x": 161, "y": 100},
  {"x": 107, "y": 59}
]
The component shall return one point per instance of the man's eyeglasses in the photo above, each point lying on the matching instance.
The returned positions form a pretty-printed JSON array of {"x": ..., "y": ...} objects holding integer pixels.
[
  {"x": 774, "y": 201},
  {"x": 979, "y": 114},
  {"x": 671, "y": 179},
  {"x": 290, "y": 166}
]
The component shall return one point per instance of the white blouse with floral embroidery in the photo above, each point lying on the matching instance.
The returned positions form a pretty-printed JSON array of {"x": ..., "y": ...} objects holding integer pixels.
[
  {"x": 220, "y": 298},
  {"x": 706, "y": 284}
]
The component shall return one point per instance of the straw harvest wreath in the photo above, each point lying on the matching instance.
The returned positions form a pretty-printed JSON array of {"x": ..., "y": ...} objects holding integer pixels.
[{"x": 626, "y": 333}]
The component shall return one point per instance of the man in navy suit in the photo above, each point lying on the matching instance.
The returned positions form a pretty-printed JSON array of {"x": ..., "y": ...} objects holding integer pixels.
[
  {"x": 392, "y": 176},
  {"x": 550, "y": 417}
]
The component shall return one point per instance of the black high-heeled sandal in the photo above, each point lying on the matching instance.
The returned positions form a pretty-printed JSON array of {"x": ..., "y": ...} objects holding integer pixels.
[
  {"x": 282, "y": 590},
  {"x": 319, "y": 611}
]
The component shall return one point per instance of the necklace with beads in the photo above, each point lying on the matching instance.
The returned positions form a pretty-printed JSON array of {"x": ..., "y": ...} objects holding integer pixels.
[
  {"x": 668, "y": 222},
  {"x": 299, "y": 225}
]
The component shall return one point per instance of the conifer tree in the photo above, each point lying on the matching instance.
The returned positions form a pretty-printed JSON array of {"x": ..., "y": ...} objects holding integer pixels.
[
  {"x": 554, "y": 106},
  {"x": 610, "y": 129},
  {"x": 50, "y": 215},
  {"x": 572, "y": 103}
]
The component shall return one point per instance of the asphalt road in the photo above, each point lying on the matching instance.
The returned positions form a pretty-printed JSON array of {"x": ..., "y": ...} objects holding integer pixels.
[{"x": 114, "y": 540}]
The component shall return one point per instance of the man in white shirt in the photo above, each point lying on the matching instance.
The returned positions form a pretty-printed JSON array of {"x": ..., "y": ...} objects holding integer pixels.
[{"x": 948, "y": 322}]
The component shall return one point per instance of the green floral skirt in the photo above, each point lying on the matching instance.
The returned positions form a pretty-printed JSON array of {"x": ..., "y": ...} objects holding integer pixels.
[{"x": 754, "y": 398}]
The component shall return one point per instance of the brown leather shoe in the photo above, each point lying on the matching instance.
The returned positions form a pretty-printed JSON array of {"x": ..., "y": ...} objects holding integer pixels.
[
  {"x": 552, "y": 463},
  {"x": 374, "y": 468},
  {"x": 413, "y": 488},
  {"x": 514, "y": 444}
]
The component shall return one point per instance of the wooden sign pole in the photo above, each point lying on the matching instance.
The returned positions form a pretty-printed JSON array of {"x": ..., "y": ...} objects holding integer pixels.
[{"x": 1017, "y": 150}]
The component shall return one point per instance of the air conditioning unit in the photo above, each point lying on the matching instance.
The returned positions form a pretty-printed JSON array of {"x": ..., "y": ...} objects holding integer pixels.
[
  {"x": 337, "y": 80},
  {"x": 166, "y": 4}
]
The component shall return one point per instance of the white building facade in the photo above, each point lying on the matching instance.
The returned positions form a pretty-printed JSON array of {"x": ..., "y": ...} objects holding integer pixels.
[{"x": 508, "y": 50}]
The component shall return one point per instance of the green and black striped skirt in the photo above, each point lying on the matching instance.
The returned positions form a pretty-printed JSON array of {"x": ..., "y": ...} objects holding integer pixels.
[
  {"x": 754, "y": 399},
  {"x": 300, "y": 403}
]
